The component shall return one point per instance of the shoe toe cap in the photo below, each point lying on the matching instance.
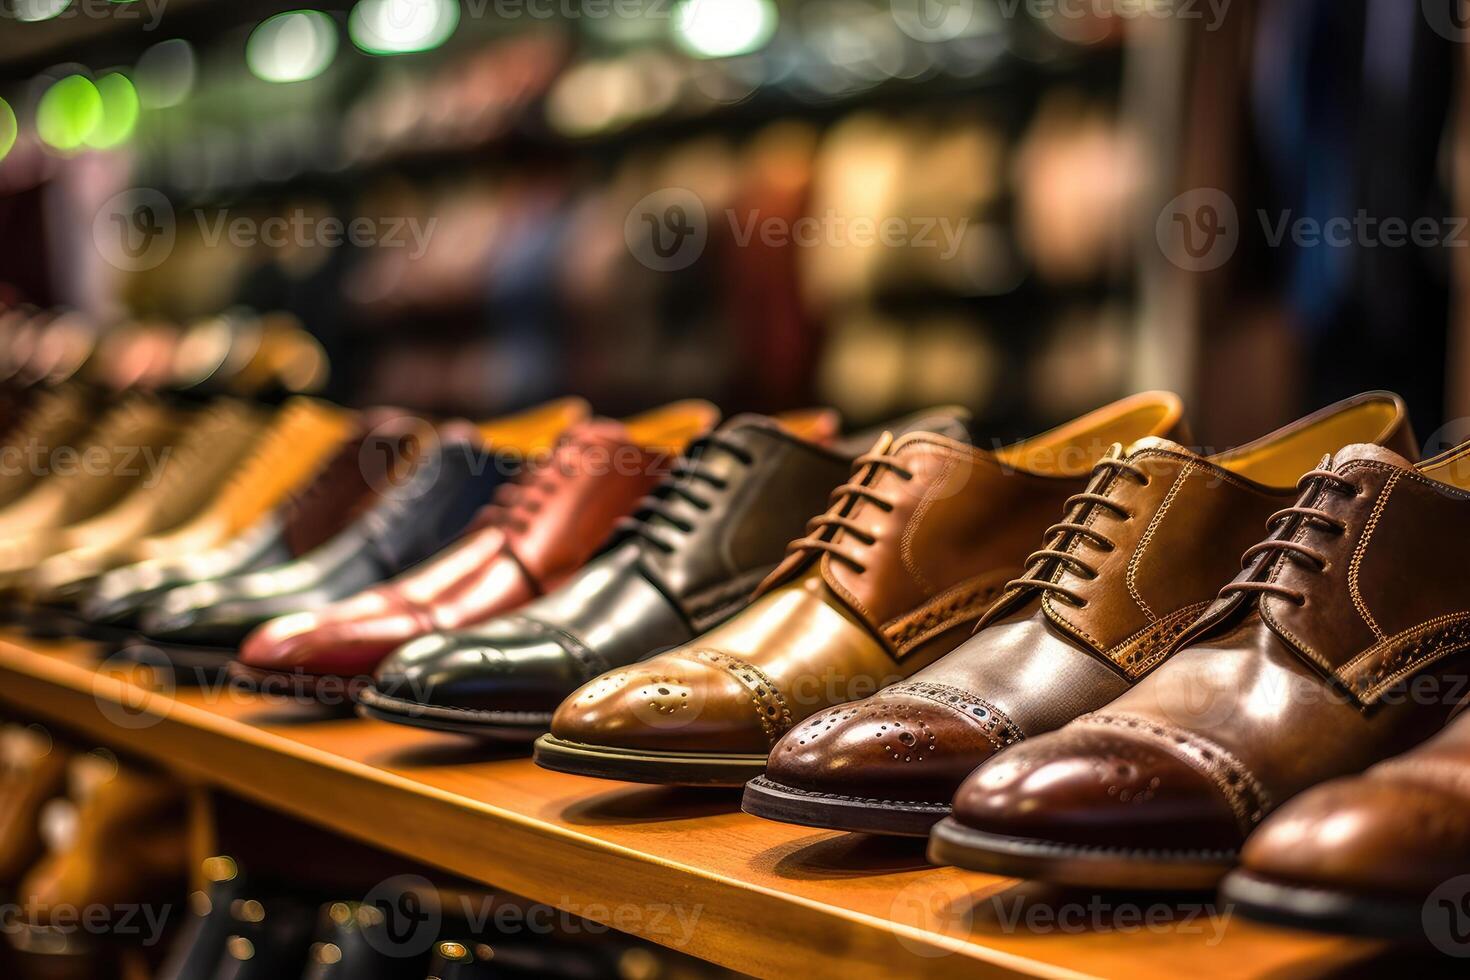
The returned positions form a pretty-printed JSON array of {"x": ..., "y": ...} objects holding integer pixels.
[
  {"x": 521, "y": 670},
  {"x": 688, "y": 701},
  {"x": 1099, "y": 786},
  {"x": 898, "y": 745},
  {"x": 1365, "y": 835}
]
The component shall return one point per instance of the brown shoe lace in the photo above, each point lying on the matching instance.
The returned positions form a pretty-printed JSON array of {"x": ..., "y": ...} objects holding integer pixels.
[
  {"x": 1295, "y": 550},
  {"x": 841, "y": 500},
  {"x": 1058, "y": 537}
]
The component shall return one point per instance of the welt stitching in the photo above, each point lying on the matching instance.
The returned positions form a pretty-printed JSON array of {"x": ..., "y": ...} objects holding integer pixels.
[
  {"x": 1359, "y": 603},
  {"x": 1148, "y": 534}
]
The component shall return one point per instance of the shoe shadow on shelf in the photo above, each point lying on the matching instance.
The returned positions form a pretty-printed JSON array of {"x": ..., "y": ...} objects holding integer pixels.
[
  {"x": 447, "y": 753},
  {"x": 826, "y": 856},
  {"x": 1034, "y": 908},
  {"x": 651, "y": 804}
]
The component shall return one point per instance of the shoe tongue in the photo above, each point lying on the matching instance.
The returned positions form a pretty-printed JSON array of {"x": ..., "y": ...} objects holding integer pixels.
[
  {"x": 952, "y": 423},
  {"x": 820, "y": 426},
  {"x": 1368, "y": 452}
]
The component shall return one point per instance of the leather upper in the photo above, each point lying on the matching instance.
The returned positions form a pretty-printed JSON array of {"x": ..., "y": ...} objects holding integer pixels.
[
  {"x": 693, "y": 555},
  {"x": 1135, "y": 560},
  {"x": 1316, "y": 661},
  {"x": 1400, "y": 828},
  {"x": 916, "y": 545},
  {"x": 542, "y": 529}
]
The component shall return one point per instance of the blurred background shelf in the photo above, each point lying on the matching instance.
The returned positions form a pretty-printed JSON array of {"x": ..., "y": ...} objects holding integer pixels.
[{"x": 763, "y": 897}]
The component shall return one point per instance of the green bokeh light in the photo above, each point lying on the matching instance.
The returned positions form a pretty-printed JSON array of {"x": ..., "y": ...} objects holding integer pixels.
[
  {"x": 402, "y": 26},
  {"x": 119, "y": 112},
  {"x": 68, "y": 113},
  {"x": 8, "y": 129}
]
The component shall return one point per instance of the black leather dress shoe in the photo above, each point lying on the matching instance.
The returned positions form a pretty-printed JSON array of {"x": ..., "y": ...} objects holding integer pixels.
[
  {"x": 688, "y": 560},
  {"x": 197, "y": 627}
]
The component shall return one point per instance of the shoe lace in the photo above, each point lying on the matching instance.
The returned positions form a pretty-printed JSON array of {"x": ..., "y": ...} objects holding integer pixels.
[
  {"x": 682, "y": 481},
  {"x": 842, "y": 500},
  {"x": 1076, "y": 508},
  {"x": 1310, "y": 483}
]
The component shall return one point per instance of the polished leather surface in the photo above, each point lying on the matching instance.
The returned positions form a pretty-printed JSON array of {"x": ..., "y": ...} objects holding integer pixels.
[
  {"x": 407, "y": 522},
  {"x": 914, "y": 548},
  {"x": 692, "y": 558},
  {"x": 543, "y": 528},
  {"x": 209, "y": 444},
  {"x": 1340, "y": 644},
  {"x": 1078, "y": 633},
  {"x": 1402, "y": 828}
]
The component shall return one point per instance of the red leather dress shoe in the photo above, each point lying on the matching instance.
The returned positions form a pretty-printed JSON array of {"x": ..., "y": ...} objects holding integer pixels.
[{"x": 541, "y": 528}]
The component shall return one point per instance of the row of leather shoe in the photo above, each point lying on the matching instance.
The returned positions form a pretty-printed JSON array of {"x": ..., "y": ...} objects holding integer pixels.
[
  {"x": 384, "y": 492},
  {"x": 1095, "y": 656}
]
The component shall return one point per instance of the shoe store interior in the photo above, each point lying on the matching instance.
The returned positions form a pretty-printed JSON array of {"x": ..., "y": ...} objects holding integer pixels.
[{"x": 660, "y": 489}]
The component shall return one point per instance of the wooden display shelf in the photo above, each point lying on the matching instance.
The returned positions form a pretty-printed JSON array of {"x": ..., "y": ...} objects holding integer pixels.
[{"x": 683, "y": 868}]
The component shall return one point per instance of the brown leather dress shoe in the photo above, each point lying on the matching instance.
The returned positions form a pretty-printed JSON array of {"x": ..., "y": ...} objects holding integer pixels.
[
  {"x": 914, "y": 548},
  {"x": 1133, "y": 562},
  {"x": 1386, "y": 853},
  {"x": 1340, "y": 644},
  {"x": 541, "y": 529}
]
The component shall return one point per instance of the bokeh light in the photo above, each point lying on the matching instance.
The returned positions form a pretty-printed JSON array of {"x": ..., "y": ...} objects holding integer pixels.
[
  {"x": 31, "y": 11},
  {"x": 723, "y": 29},
  {"x": 292, "y": 47},
  {"x": 165, "y": 73},
  {"x": 119, "y": 112},
  {"x": 9, "y": 129},
  {"x": 402, "y": 26},
  {"x": 68, "y": 113}
]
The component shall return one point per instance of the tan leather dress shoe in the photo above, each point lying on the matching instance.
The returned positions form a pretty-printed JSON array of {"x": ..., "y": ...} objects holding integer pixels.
[
  {"x": 206, "y": 446},
  {"x": 914, "y": 548},
  {"x": 294, "y": 446},
  {"x": 1341, "y": 643},
  {"x": 53, "y": 418},
  {"x": 113, "y": 458},
  {"x": 1385, "y": 853},
  {"x": 1132, "y": 563}
]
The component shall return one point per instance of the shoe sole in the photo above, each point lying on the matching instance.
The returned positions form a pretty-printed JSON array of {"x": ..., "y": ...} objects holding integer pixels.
[
  {"x": 1077, "y": 865},
  {"x": 1324, "y": 910},
  {"x": 767, "y": 798},
  {"x": 520, "y": 727},
  {"x": 642, "y": 766}
]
